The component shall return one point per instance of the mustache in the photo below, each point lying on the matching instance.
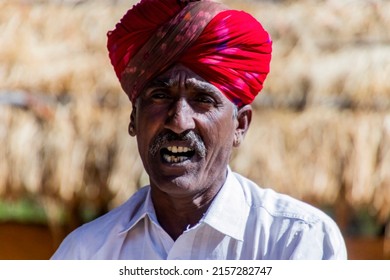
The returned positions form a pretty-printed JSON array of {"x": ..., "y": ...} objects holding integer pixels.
[{"x": 195, "y": 141}]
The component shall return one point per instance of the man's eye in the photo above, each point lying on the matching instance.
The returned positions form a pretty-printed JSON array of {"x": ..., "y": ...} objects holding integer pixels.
[
  {"x": 159, "y": 95},
  {"x": 205, "y": 99}
]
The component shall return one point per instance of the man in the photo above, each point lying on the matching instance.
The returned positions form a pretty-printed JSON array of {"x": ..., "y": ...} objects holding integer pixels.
[{"x": 191, "y": 70}]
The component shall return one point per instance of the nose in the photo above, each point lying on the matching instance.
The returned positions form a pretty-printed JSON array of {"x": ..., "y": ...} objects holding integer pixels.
[{"x": 180, "y": 117}]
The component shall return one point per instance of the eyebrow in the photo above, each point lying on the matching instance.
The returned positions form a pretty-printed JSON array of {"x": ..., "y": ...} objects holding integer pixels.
[
  {"x": 159, "y": 82},
  {"x": 168, "y": 82},
  {"x": 203, "y": 86}
]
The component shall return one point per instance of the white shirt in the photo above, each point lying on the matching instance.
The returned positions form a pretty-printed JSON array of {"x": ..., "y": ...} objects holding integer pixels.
[{"x": 243, "y": 222}]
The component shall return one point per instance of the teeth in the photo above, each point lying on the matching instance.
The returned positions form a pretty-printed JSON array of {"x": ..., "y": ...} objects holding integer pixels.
[
  {"x": 178, "y": 149},
  {"x": 171, "y": 159}
]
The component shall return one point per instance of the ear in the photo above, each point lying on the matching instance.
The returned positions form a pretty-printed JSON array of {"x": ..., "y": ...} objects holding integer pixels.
[
  {"x": 132, "y": 128},
  {"x": 244, "y": 118}
]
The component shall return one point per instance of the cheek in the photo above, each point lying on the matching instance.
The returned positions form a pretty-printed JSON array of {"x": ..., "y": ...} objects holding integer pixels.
[
  {"x": 221, "y": 132},
  {"x": 149, "y": 124},
  {"x": 151, "y": 119},
  {"x": 146, "y": 130},
  {"x": 142, "y": 146}
]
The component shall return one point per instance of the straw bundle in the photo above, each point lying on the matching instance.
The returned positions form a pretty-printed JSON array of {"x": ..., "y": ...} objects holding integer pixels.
[
  {"x": 316, "y": 43},
  {"x": 327, "y": 53},
  {"x": 313, "y": 155},
  {"x": 74, "y": 149},
  {"x": 57, "y": 49},
  {"x": 82, "y": 155}
]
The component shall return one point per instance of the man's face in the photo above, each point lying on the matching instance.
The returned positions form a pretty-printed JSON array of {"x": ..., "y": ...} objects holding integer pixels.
[{"x": 185, "y": 130}]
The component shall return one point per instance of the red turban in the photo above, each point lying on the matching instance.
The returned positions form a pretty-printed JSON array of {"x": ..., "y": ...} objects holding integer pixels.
[{"x": 228, "y": 48}]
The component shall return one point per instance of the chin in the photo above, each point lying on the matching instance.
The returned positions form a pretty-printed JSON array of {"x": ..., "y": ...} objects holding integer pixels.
[{"x": 186, "y": 184}]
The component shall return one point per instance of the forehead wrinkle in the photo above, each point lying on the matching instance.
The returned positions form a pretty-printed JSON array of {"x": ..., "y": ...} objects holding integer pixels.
[
  {"x": 164, "y": 82},
  {"x": 178, "y": 77},
  {"x": 181, "y": 80},
  {"x": 159, "y": 82},
  {"x": 200, "y": 85}
]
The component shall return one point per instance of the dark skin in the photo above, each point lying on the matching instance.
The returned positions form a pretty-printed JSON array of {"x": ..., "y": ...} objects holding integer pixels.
[{"x": 185, "y": 175}]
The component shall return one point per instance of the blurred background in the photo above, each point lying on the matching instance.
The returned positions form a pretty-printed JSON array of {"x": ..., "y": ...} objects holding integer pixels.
[{"x": 321, "y": 127}]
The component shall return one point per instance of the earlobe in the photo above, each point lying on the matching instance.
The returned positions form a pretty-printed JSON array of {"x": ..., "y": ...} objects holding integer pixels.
[
  {"x": 244, "y": 118},
  {"x": 237, "y": 140},
  {"x": 132, "y": 128}
]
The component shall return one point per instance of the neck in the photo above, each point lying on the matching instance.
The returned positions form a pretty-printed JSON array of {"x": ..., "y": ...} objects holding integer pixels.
[{"x": 176, "y": 214}]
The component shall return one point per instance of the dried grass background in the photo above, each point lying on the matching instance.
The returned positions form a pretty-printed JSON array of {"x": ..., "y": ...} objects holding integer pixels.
[{"x": 321, "y": 127}]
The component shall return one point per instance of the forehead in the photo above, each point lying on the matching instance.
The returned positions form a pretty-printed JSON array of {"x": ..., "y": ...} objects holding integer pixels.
[
  {"x": 181, "y": 76},
  {"x": 179, "y": 71}
]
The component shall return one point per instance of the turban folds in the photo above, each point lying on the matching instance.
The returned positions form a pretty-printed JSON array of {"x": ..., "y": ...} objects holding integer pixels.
[{"x": 228, "y": 48}]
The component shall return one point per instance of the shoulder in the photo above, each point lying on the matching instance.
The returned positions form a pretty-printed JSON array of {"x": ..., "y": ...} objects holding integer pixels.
[
  {"x": 293, "y": 227},
  {"x": 278, "y": 204},
  {"x": 85, "y": 240}
]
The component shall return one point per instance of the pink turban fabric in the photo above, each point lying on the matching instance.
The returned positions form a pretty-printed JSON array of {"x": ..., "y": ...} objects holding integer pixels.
[{"x": 228, "y": 48}]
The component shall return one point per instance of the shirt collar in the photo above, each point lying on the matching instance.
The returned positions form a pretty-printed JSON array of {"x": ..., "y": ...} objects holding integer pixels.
[
  {"x": 229, "y": 211},
  {"x": 145, "y": 209}
]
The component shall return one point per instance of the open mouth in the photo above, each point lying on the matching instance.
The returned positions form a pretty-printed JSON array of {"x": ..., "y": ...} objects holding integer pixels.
[{"x": 177, "y": 154}]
